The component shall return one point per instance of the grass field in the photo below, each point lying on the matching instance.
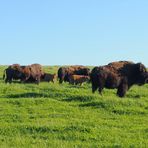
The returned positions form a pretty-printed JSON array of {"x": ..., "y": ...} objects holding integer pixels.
[{"x": 66, "y": 116}]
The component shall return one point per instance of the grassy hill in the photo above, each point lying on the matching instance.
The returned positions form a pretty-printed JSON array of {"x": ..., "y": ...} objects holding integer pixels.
[{"x": 66, "y": 116}]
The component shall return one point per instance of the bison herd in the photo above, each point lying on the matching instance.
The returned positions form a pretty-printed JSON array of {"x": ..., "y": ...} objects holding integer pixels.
[{"x": 121, "y": 75}]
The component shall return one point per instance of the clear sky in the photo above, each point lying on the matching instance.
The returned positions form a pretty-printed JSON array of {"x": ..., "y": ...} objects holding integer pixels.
[{"x": 64, "y": 32}]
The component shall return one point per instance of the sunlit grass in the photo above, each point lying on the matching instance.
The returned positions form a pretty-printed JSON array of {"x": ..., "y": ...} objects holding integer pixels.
[{"x": 54, "y": 115}]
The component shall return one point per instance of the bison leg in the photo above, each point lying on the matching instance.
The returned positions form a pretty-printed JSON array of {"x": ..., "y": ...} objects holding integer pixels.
[
  {"x": 94, "y": 88},
  {"x": 9, "y": 79},
  {"x": 61, "y": 81},
  {"x": 72, "y": 82},
  {"x": 122, "y": 89},
  {"x": 101, "y": 85},
  {"x": 76, "y": 83},
  {"x": 38, "y": 81},
  {"x": 100, "y": 90},
  {"x": 4, "y": 74}
]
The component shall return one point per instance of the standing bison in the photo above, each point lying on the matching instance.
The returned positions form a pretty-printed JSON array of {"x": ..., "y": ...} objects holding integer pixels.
[
  {"x": 30, "y": 73},
  {"x": 78, "y": 79},
  {"x": 12, "y": 73},
  {"x": 47, "y": 77},
  {"x": 65, "y": 72},
  {"x": 121, "y": 75}
]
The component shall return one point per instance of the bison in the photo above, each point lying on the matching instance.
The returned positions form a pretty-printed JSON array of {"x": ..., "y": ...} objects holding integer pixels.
[
  {"x": 12, "y": 73},
  {"x": 78, "y": 79},
  {"x": 65, "y": 72},
  {"x": 48, "y": 77},
  {"x": 31, "y": 73},
  {"x": 121, "y": 75}
]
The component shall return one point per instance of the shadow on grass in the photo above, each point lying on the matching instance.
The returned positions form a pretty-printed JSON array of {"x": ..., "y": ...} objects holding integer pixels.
[
  {"x": 56, "y": 96},
  {"x": 133, "y": 96},
  {"x": 79, "y": 98},
  {"x": 28, "y": 95},
  {"x": 95, "y": 105},
  {"x": 128, "y": 112},
  {"x": 13, "y": 82},
  {"x": 118, "y": 110}
]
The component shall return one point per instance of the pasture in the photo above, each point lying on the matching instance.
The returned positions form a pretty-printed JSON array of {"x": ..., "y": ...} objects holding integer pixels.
[{"x": 67, "y": 116}]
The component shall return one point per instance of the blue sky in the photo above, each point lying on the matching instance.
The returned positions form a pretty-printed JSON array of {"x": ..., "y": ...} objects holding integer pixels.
[{"x": 64, "y": 32}]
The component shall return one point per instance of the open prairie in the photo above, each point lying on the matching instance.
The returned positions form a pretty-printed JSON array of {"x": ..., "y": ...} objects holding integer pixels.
[{"x": 66, "y": 116}]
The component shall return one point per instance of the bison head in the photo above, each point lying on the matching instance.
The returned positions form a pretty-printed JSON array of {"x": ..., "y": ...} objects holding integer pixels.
[{"x": 142, "y": 74}]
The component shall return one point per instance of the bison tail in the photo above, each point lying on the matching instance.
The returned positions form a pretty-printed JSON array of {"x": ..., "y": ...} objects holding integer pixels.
[{"x": 4, "y": 74}]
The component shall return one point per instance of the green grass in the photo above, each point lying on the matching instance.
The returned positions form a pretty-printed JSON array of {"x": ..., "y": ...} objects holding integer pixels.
[{"x": 66, "y": 116}]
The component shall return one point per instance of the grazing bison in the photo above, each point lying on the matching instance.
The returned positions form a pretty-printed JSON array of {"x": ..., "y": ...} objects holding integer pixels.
[
  {"x": 12, "y": 73},
  {"x": 62, "y": 74},
  {"x": 48, "y": 77},
  {"x": 78, "y": 79},
  {"x": 31, "y": 73},
  {"x": 65, "y": 72},
  {"x": 121, "y": 75}
]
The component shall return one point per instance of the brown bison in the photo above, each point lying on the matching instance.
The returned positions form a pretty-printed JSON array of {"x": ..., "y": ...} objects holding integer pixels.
[
  {"x": 31, "y": 73},
  {"x": 65, "y": 72},
  {"x": 48, "y": 77},
  {"x": 121, "y": 75},
  {"x": 78, "y": 79}
]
